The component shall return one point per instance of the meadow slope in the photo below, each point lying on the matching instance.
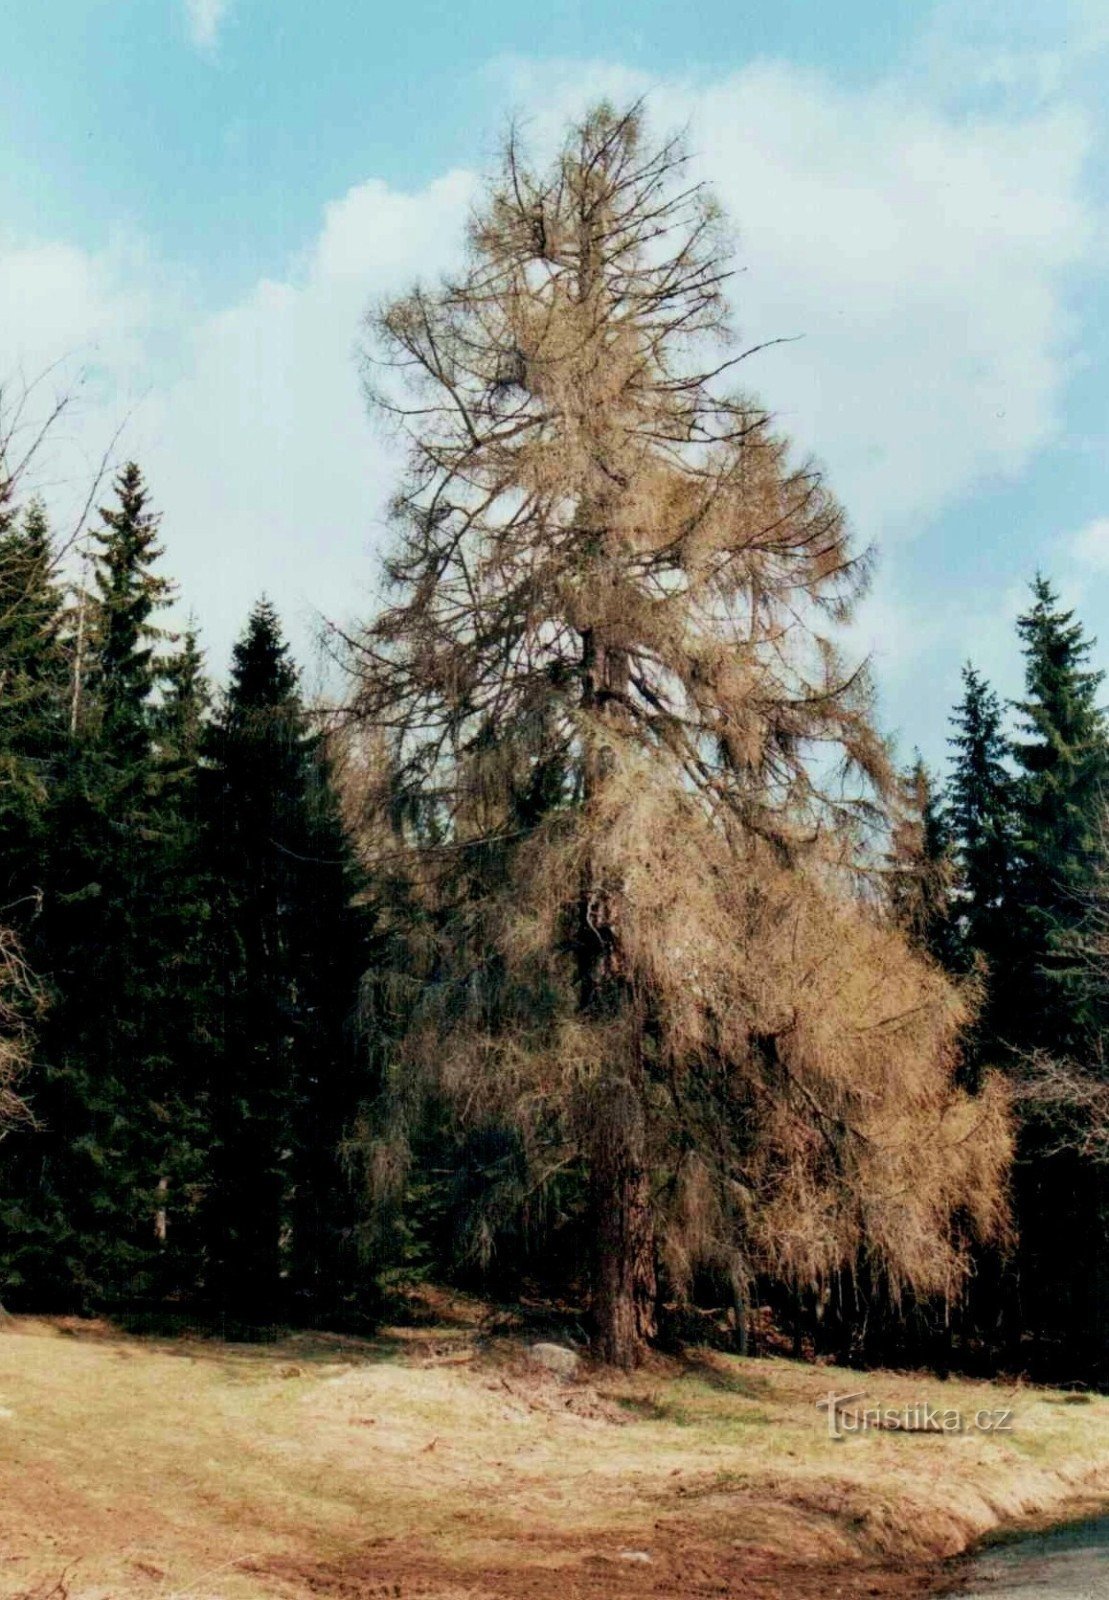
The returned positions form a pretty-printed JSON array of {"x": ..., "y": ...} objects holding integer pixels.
[{"x": 439, "y": 1463}]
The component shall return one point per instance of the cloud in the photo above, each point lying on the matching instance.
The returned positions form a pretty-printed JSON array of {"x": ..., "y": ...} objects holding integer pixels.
[
  {"x": 99, "y": 307},
  {"x": 920, "y": 259},
  {"x": 921, "y": 245},
  {"x": 92, "y": 329},
  {"x": 204, "y": 19},
  {"x": 261, "y": 450},
  {"x": 1089, "y": 547},
  {"x": 1017, "y": 56},
  {"x": 923, "y": 256},
  {"x": 249, "y": 421}
]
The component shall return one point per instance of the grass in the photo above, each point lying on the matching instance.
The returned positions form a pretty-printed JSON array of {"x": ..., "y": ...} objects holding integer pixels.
[{"x": 431, "y": 1462}]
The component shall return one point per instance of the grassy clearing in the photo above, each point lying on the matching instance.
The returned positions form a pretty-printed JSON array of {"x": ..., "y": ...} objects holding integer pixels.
[{"x": 428, "y": 1462}]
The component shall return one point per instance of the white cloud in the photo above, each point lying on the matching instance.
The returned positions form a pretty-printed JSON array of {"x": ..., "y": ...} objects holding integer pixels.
[
  {"x": 922, "y": 259},
  {"x": 204, "y": 18},
  {"x": 249, "y": 422},
  {"x": 1089, "y": 547},
  {"x": 261, "y": 451},
  {"x": 91, "y": 327},
  {"x": 923, "y": 256}
]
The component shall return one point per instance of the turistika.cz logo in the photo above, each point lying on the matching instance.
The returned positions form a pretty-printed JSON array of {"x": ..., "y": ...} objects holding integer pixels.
[{"x": 846, "y": 1417}]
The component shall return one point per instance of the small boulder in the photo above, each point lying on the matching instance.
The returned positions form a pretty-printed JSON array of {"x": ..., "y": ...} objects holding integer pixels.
[{"x": 556, "y": 1358}]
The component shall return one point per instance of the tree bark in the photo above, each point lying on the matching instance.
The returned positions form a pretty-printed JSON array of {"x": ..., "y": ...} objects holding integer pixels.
[
  {"x": 741, "y": 1339},
  {"x": 624, "y": 1281},
  {"x": 160, "y": 1213}
]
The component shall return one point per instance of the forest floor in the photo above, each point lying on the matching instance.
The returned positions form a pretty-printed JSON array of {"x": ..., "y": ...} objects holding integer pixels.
[{"x": 435, "y": 1461}]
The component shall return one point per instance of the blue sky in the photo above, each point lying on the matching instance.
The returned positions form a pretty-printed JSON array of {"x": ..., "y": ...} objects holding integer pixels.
[
  {"x": 198, "y": 197},
  {"x": 227, "y": 151}
]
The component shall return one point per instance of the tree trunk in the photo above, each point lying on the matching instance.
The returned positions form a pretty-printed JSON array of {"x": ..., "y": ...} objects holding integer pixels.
[
  {"x": 741, "y": 1341},
  {"x": 624, "y": 1284},
  {"x": 160, "y": 1213},
  {"x": 623, "y": 1269}
]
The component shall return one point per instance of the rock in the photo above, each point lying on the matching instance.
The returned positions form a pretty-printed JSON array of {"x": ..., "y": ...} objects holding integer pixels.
[{"x": 556, "y": 1358}]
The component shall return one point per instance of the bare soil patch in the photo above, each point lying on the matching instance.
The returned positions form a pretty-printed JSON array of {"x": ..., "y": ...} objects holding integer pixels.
[
  {"x": 679, "y": 1562},
  {"x": 439, "y": 1462}
]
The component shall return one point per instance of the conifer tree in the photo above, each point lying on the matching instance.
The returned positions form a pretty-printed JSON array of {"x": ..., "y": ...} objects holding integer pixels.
[
  {"x": 123, "y": 670},
  {"x": 31, "y": 607},
  {"x": 33, "y": 679},
  {"x": 921, "y": 868},
  {"x": 86, "y": 1213},
  {"x": 284, "y": 1071},
  {"x": 1063, "y": 763},
  {"x": 181, "y": 929},
  {"x": 981, "y": 799},
  {"x": 184, "y": 706},
  {"x": 607, "y": 668},
  {"x": 980, "y": 802},
  {"x": 1048, "y": 1008},
  {"x": 34, "y": 693}
]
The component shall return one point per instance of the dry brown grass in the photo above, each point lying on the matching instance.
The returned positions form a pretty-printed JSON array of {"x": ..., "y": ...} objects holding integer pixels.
[{"x": 428, "y": 1463}]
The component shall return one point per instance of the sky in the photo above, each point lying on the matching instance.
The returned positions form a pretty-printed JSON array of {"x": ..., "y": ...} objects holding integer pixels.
[{"x": 200, "y": 198}]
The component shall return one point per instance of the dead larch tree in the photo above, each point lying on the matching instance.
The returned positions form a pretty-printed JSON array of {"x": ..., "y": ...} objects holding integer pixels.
[{"x": 607, "y": 677}]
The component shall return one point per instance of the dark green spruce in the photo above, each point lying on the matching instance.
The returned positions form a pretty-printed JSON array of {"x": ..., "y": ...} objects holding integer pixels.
[
  {"x": 980, "y": 813},
  {"x": 281, "y": 1218},
  {"x": 1062, "y": 757},
  {"x": 90, "y": 1198}
]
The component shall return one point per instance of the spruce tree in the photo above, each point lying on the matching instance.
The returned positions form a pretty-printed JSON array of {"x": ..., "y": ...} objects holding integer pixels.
[
  {"x": 920, "y": 867},
  {"x": 184, "y": 707},
  {"x": 181, "y": 929},
  {"x": 86, "y": 1209},
  {"x": 1063, "y": 765},
  {"x": 284, "y": 1084},
  {"x": 980, "y": 808},
  {"x": 123, "y": 670},
  {"x": 34, "y": 707},
  {"x": 1040, "y": 1001}
]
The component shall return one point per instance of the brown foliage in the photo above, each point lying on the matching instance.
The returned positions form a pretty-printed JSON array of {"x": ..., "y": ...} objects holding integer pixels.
[
  {"x": 578, "y": 485},
  {"x": 633, "y": 768},
  {"x": 1067, "y": 1103},
  {"x": 801, "y": 1108},
  {"x": 19, "y": 998}
]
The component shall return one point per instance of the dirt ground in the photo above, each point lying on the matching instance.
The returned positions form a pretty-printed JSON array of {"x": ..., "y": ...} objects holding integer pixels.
[
  {"x": 680, "y": 1561},
  {"x": 440, "y": 1463}
]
